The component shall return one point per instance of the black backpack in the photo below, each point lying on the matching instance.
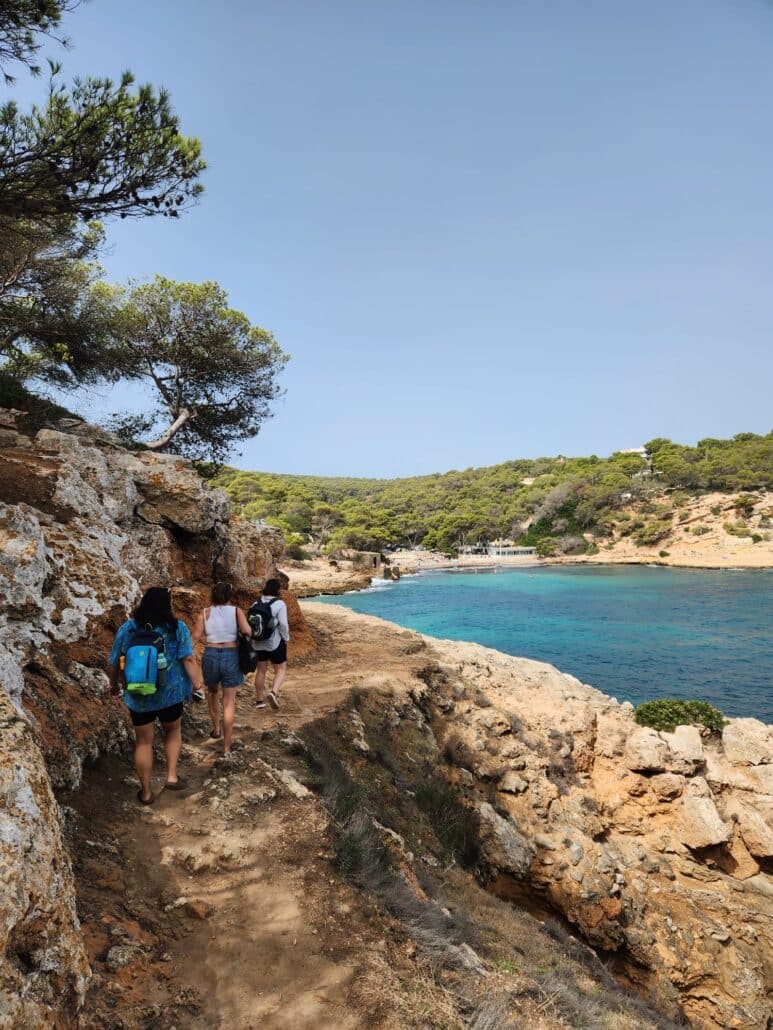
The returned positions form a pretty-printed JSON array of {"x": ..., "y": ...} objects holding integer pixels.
[{"x": 261, "y": 618}]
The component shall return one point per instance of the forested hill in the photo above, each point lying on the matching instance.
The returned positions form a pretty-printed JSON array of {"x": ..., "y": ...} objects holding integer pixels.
[{"x": 553, "y": 503}]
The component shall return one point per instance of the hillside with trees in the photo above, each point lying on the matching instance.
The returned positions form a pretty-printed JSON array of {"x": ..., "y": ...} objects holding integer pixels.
[{"x": 559, "y": 505}]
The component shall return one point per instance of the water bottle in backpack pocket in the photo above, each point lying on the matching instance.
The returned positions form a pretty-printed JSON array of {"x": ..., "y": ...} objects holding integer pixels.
[{"x": 145, "y": 662}]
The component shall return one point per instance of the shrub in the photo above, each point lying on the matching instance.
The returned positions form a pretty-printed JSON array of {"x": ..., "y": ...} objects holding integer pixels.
[
  {"x": 716, "y": 509},
  {"x": 664, "y": 554},
  {"x": 592, "y": 548},
  {"x": 294, "y": 547},
  {"x": 670, "y": 712},
  {"x": 653, "y": 534},
  {"x": 684, "y": 516},
  {"x": 700, "y": 530},
  {"x": 454, "y": 824},
  {"x": 756, "y": 538}
]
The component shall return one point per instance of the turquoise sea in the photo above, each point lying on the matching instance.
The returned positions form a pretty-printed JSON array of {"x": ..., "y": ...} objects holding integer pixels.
[{"x": 634, "y": 632}]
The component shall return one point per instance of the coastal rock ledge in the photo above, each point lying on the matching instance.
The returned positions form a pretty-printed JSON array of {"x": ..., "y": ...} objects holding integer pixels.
[
  {"x": 656, "y": 847},
  {"x": 84, "y": 526}
]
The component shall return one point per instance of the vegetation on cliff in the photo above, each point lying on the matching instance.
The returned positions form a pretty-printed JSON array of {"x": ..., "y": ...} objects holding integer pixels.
[{"x": 549, "y": 503}]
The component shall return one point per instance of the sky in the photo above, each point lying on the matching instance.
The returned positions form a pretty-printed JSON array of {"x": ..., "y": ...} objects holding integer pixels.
[{"x": 482, "y": 230}]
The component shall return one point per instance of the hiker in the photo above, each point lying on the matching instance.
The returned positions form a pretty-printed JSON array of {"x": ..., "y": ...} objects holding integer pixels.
[
  {"x": 274, "y": 647},
  {"x": 153, "y": 656},
  {"x": 221, "y": 625}
]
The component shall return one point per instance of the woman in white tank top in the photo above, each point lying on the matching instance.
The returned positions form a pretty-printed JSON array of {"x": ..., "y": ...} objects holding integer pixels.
[{"x": 220, "y": 626}]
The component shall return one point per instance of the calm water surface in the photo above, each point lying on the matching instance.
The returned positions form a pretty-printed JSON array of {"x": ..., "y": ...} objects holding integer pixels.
[{"x": 635, "y": 632}]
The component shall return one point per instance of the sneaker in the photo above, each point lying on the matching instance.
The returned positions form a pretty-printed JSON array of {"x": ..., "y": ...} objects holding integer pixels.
[
  {"x": 198, "y": 695},
  {"x": 273, "y": 700},
  {"x": 260, "y": 703}
]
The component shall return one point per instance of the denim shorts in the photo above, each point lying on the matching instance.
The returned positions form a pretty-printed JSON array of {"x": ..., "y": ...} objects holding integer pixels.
[{"x": 220, "y": 666}]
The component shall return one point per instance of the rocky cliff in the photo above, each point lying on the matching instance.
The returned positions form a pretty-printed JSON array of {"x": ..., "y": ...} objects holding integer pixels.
[
  {"x": 85, "y": 525},
  {"x": 656, "y": 847}
]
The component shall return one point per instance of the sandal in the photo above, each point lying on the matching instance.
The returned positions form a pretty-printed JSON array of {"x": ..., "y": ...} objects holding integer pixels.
[
  {"x": 142, "y": 801},
  {"x": 180, "y": 784},
  {"x": 215, "y": 734}
]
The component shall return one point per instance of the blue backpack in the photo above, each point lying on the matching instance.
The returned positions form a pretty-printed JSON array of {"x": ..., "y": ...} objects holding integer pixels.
[{"x": 144, "y": 661}]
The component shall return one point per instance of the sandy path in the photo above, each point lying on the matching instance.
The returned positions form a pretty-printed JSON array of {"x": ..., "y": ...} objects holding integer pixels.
[{"x": 283, "y": 938}]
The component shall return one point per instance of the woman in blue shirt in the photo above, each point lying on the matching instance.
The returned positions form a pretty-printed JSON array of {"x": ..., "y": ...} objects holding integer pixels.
[{"x": 166, "y": 704}]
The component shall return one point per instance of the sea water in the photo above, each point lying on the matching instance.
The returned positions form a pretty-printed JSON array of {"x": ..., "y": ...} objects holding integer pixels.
[{"x": 634, "y": 632}]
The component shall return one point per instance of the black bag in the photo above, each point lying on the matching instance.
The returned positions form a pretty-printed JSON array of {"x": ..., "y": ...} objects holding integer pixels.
[
  {"x": 248, "y": 656},
  {"x": 261, "y": 618},
  {"x": 246, "y": 653}
]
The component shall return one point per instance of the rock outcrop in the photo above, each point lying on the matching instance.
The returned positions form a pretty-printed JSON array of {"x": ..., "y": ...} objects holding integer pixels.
[
  {"x": 85, "y": 525},
  {"x": 656, "y": 847}
]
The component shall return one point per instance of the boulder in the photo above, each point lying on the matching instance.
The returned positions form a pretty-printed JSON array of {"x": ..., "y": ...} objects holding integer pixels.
[
  {"x": 512, "y": 783},
  {"x": 646, "y": 751},
  {"x": 685, "y": 750},
  {"x": 667, "y": 786},
  {"x": 747, "y": 742},
  {"x": 699, "y": 824},
  {"x": 756, "y": 834},
  {"x": 504, "y": 847}
]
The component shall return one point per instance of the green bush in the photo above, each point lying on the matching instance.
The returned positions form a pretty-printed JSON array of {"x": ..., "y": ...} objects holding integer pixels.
[
  {"x": 653, "y": 533},
  {"x": 592, "y": 548},
  {"x": 664, "y": 554},
  {"x": 700, "y": 530},
  {"x": 716, "y": 509},
  {"x": 756, "y": 538},
  {"x": 670, "y": 712}
]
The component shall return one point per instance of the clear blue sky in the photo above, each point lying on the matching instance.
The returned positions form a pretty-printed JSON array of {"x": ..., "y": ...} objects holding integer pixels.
[{"x": 483, "y": 230}]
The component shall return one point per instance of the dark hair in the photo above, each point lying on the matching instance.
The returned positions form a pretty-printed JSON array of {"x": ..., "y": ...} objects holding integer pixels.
[
  {"x": 273, "y": 588},
  {"x": 155, "y": 609},
  {"x": 221, "y": 593}
]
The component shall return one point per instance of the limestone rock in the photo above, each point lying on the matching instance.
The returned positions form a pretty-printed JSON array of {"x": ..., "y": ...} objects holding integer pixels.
[
  {"x": 504, "y": 846},
  {"x": 512, "y": 783},
  {"x": 43, "y": 966},
  {"x": 646, "y": 751},
  {"x": 756, "y": 833},
  {"x": 685, "y": 750},
  {"x": 699, "y": 824},
  {"x": 747, "y": 742},
  {"x": 667, "y": 786}
]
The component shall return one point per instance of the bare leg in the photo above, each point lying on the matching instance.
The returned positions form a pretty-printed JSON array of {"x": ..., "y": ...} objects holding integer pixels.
[
  {"x": 173, "y": 741},
  {"x": 279, "y": 676},
  {"x": 143, "y": 757},
  {"x": 214, "y": 708},
  {"x": 260, "y": 681},
  {"x": 229, "y": 707}
]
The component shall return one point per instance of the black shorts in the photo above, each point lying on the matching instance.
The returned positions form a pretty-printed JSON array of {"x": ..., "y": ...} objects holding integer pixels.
[
  {"x": 277, "y": 657},
  {"x": 170, "y": 714}
]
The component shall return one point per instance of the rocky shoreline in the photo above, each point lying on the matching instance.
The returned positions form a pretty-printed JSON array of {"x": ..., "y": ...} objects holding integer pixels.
[{"x": 657, "y": 847}]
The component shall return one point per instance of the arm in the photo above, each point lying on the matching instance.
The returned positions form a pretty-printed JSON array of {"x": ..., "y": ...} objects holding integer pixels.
[
  {"x": 281, "y": 618},
  {"x": 114, "y": 662},
  {"x": 194, "y": 671},
  {"x": 241, "y": 621},
  {"x": 198, "y": 629}
]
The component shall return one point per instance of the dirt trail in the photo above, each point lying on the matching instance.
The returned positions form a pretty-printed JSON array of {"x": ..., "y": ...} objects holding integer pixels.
[{"x": 220, "y": 906}]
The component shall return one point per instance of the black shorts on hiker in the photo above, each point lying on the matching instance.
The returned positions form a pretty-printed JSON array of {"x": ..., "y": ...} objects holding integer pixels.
[
  {"x": 170, "y": 714},
  {"x": 277, "y": 657}
]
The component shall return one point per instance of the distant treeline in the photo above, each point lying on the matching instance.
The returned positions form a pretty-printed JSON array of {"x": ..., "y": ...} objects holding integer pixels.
[{"x": 546, "y": 502}]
